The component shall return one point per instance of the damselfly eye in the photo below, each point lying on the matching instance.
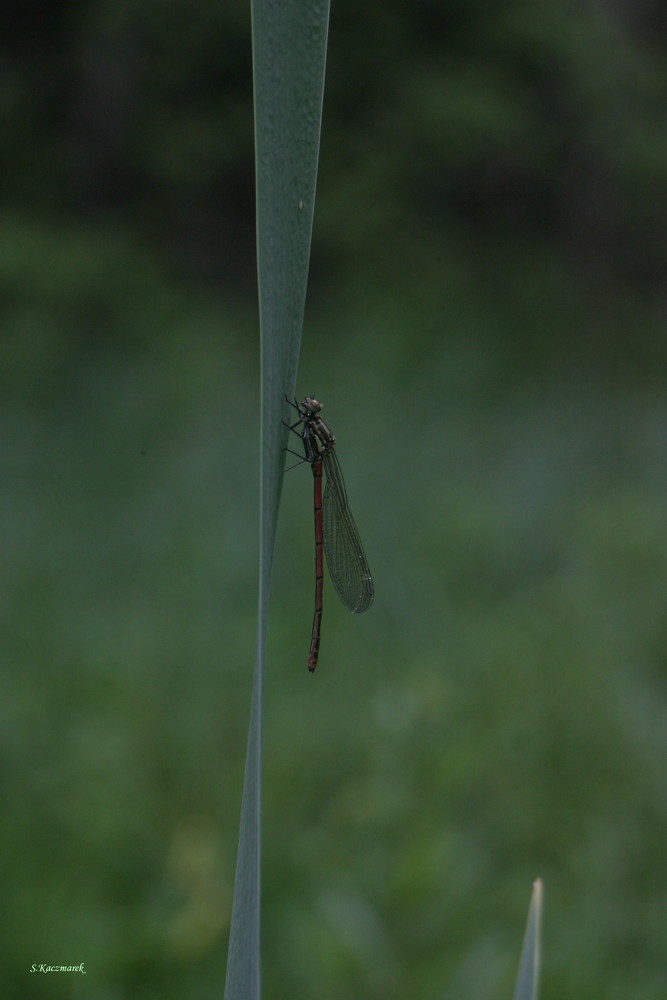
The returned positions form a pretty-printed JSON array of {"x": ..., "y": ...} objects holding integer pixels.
[{"x": 312, "y": 404}]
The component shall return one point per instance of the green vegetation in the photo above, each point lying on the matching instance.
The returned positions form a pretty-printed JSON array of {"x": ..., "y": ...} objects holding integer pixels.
[{"x": 485, "y": 329}]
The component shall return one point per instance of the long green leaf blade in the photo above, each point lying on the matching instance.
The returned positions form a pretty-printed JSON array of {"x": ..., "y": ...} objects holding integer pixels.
[
  {"x": 527, "y": 981},
  {"x": 289, "y": 50}
]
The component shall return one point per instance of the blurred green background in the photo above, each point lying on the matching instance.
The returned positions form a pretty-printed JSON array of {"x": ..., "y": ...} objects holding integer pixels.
[{"x": 485, "y": 326}]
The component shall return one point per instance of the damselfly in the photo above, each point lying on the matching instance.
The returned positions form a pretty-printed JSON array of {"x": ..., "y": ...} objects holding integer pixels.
[{"x": 335, "y": 530}]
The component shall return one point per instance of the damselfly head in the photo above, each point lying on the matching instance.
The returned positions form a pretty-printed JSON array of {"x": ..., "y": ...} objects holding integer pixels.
[{"x": 311, "y": 405}]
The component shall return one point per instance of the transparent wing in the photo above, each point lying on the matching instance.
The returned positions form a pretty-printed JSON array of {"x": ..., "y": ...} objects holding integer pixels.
[{"x": 348, "y": 566}]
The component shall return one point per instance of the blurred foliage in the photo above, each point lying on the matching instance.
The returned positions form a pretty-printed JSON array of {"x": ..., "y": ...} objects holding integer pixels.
[{"x": 486, "y": 329}]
